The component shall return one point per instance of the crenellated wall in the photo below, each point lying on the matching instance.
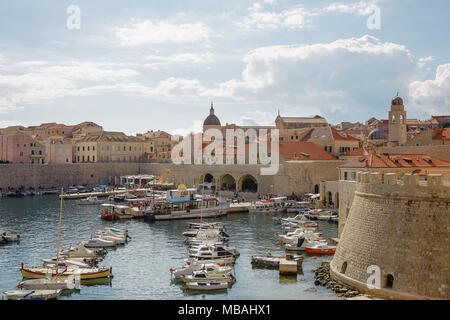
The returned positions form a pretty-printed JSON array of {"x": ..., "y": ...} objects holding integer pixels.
[{"x": 401, "y": 226}]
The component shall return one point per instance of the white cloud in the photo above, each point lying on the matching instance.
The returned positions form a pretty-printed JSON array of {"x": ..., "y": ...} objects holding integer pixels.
[
  {"x": 191, "y": 58},
  {"x": 149, "y": 32},
  {"x": 423, "y": 61},
  {"x": 361, "y": 8},
  {"x": 432, "y": 96},
  {"x": 196, "y": 127},
  {"x": 32, "y": 82},
  {"x": 293, "y": 18}
]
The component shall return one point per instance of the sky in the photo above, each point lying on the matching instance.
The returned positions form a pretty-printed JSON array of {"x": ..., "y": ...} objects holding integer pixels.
[{"x": 134, "y": 66}]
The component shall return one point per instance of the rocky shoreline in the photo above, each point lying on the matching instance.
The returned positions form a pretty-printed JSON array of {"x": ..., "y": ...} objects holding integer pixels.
[{"x": 323, "y": 278}]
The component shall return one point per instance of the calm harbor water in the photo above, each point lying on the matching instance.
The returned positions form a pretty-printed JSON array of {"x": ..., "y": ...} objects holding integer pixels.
[{"x": 141, "y": 267}]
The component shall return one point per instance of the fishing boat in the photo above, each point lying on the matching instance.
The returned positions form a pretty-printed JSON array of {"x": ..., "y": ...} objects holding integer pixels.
[
  {"x": 240, "y": 207},
  {"x": 53, "y": 283},
  {"x": 62, "y": 262},
  {"x": 320, "y": 248},
  {"x": 32, "y": 294},
  {"x": 88, "y": 201},
  {"x": 214, "y": 268},
  {"x": 182, "y": 203},
  {"x": 9, "y": 237},
  {"x": 84, "y": 273},
  {"x": 207, "y": 286}
]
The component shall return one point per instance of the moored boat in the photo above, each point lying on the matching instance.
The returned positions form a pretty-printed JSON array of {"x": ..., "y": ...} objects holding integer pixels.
[
  {"x": 53, "y": 283},
  {"x": 320, "y": 248},
  {"x": 32, "y": 294},
  {"x": 207, "y": 286},
  {"x": 84, "y": 273}
]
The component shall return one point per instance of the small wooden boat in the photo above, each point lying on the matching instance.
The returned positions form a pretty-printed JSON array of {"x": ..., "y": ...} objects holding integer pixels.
[
  {"x": 32, "y": 294},
  {"x": 84, "y": 273},
  {"x": 53, "y": 283},
  {"x": 320, "y": 248},
  {"x": 207, "y": 286}
]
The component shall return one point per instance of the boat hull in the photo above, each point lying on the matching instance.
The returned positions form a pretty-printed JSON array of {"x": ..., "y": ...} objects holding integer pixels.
[
  {"x": 194, "y": 214},
  {"x": 39, "y": 273}
]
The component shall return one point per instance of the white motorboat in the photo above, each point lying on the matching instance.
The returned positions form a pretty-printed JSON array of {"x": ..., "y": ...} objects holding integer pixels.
[
  {"x": 89, "y": 200},
  {"x": 207, "y": 286},
  {"x": 82, "y": 252},
  {"x": 292, "y": 237},
  {"x": 212, "y": 233},
  {"x": 203, "y": 276},
  {"x": 206, "y": 226},
  {"x": 225, "y": 261},
  {"x": 320, "y": 247},
  {"x": 107, "y": 236},
  {"x": 194, "y": 242},
  {"x": 213, "y": 268},
  {"x": 117, "y": 231},
  {"x": 32, "y": 294},
  {"x": 99, "y": 243},
  {"x": 301, "y": 244},
  {"x": 208, "y": 252},
  {"x": 53, "y": 283}
]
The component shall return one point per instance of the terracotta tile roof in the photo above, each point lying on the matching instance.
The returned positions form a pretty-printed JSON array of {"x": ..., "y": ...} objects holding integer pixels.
[
  {"x": 376, "y": 160},
  {"x": 303, "y": 151},
  {"x": 442, "y": 134}
]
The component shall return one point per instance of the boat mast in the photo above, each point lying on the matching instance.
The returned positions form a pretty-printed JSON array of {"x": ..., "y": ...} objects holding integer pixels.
[{"x": 59, "y": 230}]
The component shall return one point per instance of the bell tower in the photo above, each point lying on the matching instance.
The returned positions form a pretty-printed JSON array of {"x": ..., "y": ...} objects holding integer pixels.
[{"x": 397, "y": 122}]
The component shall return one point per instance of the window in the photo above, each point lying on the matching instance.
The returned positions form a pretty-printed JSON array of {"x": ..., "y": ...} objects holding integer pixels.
[
  {"x": 87, "y": 158},
  {"x": 93, "y": 148},
  {"x": 32, "y": 152},
  {"x": 67, "y": 160},
  {"x": 345, "y": 175},
  {"x": 124, "y": 148},
  {"x": 88, "y": 148},
  {"x": 83, "y": 148},
  {"x": 130, "y": 148},
  {"x": 93, "y": 158},
  {"x": 344, "y": 267},
  {"x": 83, "y": 158},
  {"x": 78, "y": 148},
  {"x": 40, "y": 152},
  {"x": 21, "y": 153},
  {"x": 389, "y": 281},
  {"x": 78, "y": 158}
]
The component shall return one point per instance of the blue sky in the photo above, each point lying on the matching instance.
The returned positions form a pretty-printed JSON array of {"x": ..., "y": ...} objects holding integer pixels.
[{"x": 140, "y": 65}]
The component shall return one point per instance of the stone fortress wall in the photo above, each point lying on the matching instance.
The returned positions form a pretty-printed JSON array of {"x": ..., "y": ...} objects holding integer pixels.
[
  {"x": 403, "y": 228},
  {"x": 296, "y": 176}
]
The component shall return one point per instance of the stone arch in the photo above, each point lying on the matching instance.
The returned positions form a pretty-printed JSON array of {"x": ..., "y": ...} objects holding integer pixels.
[
  {"x": 226, "y": 183},
  {"x": 208, "y": 179},
  {"x": 248, "y": 183}
]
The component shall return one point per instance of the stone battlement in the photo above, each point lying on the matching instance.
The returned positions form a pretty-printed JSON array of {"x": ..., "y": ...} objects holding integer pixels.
[{"x": 389, "y": 185}]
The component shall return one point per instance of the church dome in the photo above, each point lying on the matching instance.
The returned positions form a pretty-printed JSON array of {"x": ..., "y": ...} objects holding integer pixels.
[
  {"x": 377, "y": 134},
  {"x": 211, "y": 120}
]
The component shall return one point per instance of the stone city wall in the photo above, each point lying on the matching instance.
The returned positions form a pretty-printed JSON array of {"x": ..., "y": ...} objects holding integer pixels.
[
  {"x": 441, "y": 151},
  {"x": 401, "y": 227}
]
